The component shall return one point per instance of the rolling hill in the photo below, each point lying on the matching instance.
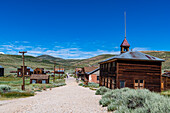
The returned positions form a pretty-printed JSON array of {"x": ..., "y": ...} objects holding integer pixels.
[{"x": 12, "y": 62}]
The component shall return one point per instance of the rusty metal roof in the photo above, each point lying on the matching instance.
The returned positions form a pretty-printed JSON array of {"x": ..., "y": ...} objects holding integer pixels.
[
  {"x": 125, "y": 43},
  {"x": 135, "y": 55}
]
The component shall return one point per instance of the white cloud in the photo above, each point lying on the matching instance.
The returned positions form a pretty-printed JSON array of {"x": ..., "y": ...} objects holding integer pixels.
[
  {"x": 140, "y": 49},
  {"x": 1, "y": 52}
]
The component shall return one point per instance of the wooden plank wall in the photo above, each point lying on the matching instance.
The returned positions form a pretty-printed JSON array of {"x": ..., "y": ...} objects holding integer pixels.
[
  {"x": 166, "y": 82},
  {"x": 150, "y": 72}
]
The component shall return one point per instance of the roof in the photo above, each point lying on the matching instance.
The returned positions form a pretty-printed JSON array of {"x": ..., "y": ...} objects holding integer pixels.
[
  {"x": 59, "y": 69},
  {"x": 30, "y": 69},
  {"x": 166, "y": 74},
  {"x": 89, "y": 69},
  {"x": 125, "y": 43},
  {"x": 93, "y": 71},
  {"x": 39, "y": 76},
  {"x": 134, "y": 55},
  {"x": 1, "y": 67}
]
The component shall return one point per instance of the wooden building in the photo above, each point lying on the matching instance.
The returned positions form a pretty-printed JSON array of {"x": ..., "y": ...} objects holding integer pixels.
[
  {"x": 94, "y": 75},
  {"x": 27, "y": 70},
  {"x": 131, "y": 69},
  {"x": 166, "y": 81},
  {"x": 39, "y": 71},
  {"x": 88, "y": 74},
  {"x": 39, "y": 78},
  {"x": 1, "y": 71},
  {"x": 78, "y": 72}
]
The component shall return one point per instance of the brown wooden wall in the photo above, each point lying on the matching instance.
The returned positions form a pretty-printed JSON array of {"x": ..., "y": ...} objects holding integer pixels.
[
  {"x": 150, "y": 72},
  {"x": 166, "y": 83},
  {"x": 26, "y": 71},
  {"x": 125, "y": 70},
  {"x": 39, "y": 81},
  {"x": 39, "y": 71}
]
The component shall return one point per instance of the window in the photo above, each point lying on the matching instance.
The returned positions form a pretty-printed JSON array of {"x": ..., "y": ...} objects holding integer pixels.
[
  {"x": 43, "y": 81},
  {"x": 97, "y": 77},
  {"x": 122, "y": 84},
  {"x": 139, "y": 84},
  {"x": 33, "y": 81}
]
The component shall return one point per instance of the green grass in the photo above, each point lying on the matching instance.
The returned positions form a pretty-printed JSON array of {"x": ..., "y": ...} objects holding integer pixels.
[
  {"x": 15, "y": 83},
  {"x": 166, "y": 93}
]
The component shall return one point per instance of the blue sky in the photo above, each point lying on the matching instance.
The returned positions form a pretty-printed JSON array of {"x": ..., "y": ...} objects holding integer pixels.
[{"x": 82, "y": 28}]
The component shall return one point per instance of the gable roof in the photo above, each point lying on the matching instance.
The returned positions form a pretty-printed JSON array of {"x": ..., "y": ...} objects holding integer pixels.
[
  {"x": 39, "y": 76},
  {"x": 134, "y": 55},
  {"x": 89, "y": 73},
  {"x": 125, "y": 43},
  {"x": 89, "y": 69}
]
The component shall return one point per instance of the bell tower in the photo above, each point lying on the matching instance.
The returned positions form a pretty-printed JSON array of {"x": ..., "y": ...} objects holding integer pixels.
[{"x": 125, "y": 45}]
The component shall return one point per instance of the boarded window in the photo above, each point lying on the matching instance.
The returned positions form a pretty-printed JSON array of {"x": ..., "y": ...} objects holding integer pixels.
[
  {"x": 139, "y": 84},
  {"x": 122, "y": 84}
]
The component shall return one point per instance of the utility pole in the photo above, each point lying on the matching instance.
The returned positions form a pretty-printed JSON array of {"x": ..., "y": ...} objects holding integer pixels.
[
  {"x": 59, "y": 71},
  {"x": 23, "y": 70},
  {"x": 54, "y": 73}
]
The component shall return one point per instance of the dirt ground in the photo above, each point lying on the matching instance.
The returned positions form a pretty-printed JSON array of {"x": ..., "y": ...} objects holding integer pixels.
[{"x": 66, "y": 99}]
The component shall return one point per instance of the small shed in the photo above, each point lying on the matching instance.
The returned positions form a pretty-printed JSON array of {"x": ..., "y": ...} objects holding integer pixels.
[
  {"x": 166, "y": 81},
  {"x": 39, "y": 78},
  {"x": 1, "y": 71},
  {"x": 39, "y": 71}
]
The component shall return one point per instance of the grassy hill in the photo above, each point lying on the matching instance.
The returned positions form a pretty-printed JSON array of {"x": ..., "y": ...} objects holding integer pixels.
[{"x": 12, "y": 62}]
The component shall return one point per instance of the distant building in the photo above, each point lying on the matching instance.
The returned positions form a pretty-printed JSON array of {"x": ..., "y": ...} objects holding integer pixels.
[
  {"x": 131, "y": 69},
  {"x": 1, "y": 71},
  {"x": 88, "y": 74},
  {"x": 39, "y": 78},
  {"x": 166, "y": 81},
  {"x": 39, "y": 71},
  {"x": 27, "y": 70}
]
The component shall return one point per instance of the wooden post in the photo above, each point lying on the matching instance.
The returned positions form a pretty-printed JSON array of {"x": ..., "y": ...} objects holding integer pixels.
[
  {"x": 23, "y": 71},
  {"x": 54, "y": 73}
]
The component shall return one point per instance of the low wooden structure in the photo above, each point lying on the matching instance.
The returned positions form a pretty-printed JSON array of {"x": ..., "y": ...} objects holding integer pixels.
[
  {"x": 166, "y": 81},
  {"x": 27, "y": 71},
  {"x": 39, "y": 71},
  {"x": 1, "y": 71},
  {"x": 39, "y": 78},
  {"x": 131, "y": 69}
]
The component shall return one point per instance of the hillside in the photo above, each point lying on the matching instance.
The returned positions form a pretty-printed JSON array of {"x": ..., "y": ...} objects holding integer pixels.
[{"x": 12, "y": 62}]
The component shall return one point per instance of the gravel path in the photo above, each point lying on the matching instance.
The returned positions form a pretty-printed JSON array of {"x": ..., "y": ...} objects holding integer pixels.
[{"x": 66, "y": 99}]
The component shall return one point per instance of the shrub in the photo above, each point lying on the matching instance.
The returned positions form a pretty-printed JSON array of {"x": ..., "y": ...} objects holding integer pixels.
[
  {"x": 59, "y": 84},
  {"x": 81, "y": 84},
  {"x": 94, "y": 85},
  {"x": 4, "y": 88},
  {"x": 136, "y": 101},
  {"x": 102, "y": 90},
  {"x": 17, "y": 94}
]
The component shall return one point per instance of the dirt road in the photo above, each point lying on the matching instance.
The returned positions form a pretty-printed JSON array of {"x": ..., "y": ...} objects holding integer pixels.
[{"x": 66, "y": 99}]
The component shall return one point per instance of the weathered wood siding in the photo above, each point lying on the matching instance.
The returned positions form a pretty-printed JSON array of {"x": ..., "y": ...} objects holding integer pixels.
[
  {"x": 108, "y": 75},
  {"x": 166, "y": 83},
  {"x": 150, "y": 72}
]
